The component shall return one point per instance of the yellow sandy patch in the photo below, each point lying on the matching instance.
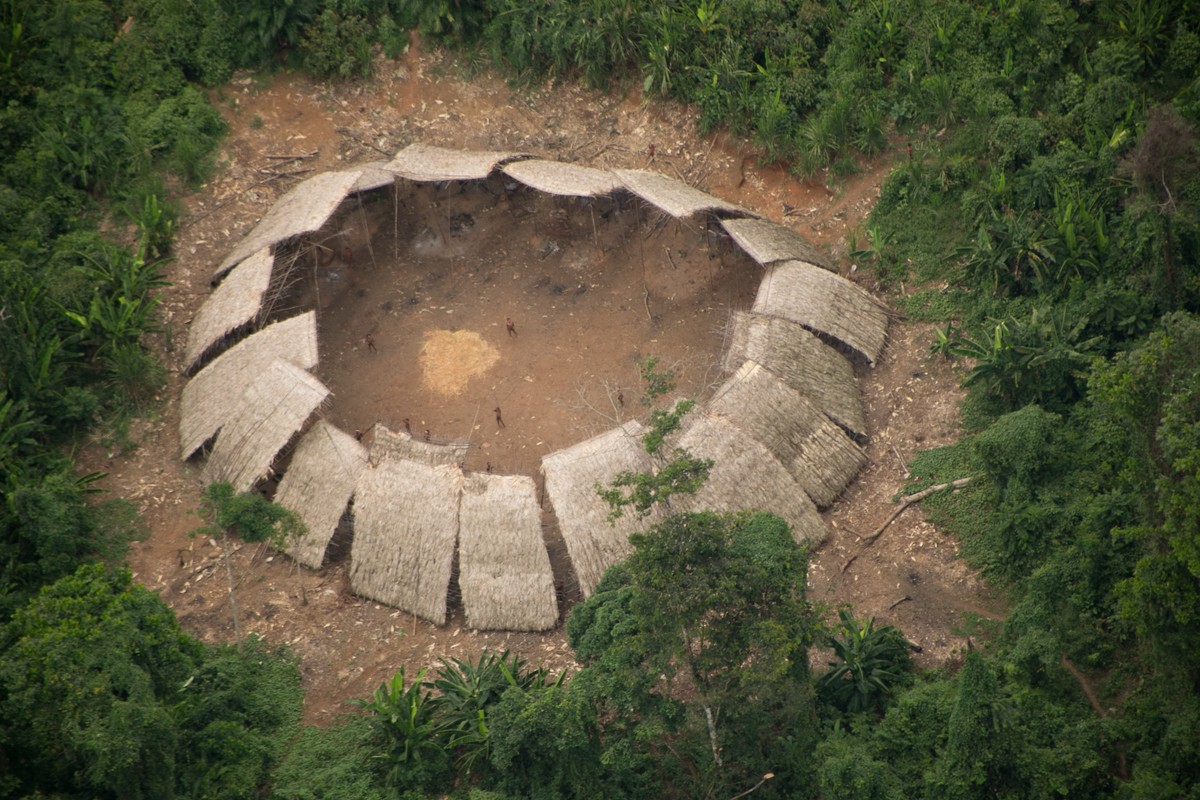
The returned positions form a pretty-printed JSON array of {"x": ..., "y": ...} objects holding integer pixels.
[{"x": 451, "y": 358}]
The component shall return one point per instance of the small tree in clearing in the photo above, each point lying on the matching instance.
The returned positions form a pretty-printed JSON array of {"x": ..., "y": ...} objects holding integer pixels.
[
  {"x": 252, "y": 517},
  {"x": 680, "y": 473}
]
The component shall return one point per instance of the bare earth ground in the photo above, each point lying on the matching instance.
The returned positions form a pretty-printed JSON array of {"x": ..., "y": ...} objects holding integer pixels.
[{"x": 580, "y": 327}]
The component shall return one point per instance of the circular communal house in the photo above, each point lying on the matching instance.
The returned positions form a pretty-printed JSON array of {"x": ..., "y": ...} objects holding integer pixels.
[{"x": 784, "y": 429}]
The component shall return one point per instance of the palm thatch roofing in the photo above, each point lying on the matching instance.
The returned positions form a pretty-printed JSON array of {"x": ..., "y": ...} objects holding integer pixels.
[
  {"x": 237, "y": 301},
  {"x": 571, "y": 180},
  {"x": 593, "y": 542},
  {"x": 802, "y": 361},
  {"x": 304, "y": 209},
  {"x": 273, "y": 407},
  {"x": 746, "y": 477},
  {"x": 317, "y": 486},
  {"x": 205, "y": 404},
  {"x": 826, "y": 303},
  {"x": 767, "y": 242},
  {"x": 426, "y": 163},
  {"x": 373, "y": 175},
  {"x": 503, "y": 568},
  {"x": 819, "y": 454},
  {"x": 386, "y": 443},
  {"x": 675, "y": 197},
  {"x": 405, "y": 527}
]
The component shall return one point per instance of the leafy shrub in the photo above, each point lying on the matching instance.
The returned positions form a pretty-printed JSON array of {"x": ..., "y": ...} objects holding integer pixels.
[
  {"x": 88, "y": 663},
  {"x": 236, "y": 715},
  {"x": 336, "y": 46},
  {"x": 402, "y": 720},
  {"x": 134, "y": 376},
  {"x": 870, "y": 664},
  {"x": 268, "y": 25},
  {"x": 849, "y": 772},
  {"x": 336, "y": 763}
]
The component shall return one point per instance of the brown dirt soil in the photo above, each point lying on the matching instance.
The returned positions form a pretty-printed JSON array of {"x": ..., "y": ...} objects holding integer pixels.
[{"x": 585, "y": 308}]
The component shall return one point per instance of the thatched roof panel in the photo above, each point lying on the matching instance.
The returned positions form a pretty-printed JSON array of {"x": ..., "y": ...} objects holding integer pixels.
[
  {"x": 386, "y": 443},
  {"x": 304, "y": 209},
  {"x": 273, "y": 407},
  {"x": 826, "y": 303},
  {"x": 768, "y": 242},
  {"x": 236, "y": 302},
  {"x": 205, "y": 404},
  {"x": 802, "y": 361},
  {"x": 571, "y": 475},
  {"x": 819, "y": 454},
  {"x": 426, "y": 163},
  {"x": 373, "y": 175},
  {"x": 675, "y": 197},
  {"x": 746, "y": 477},
  {"x": 318, "y": 484},
  {"x": 405, "y": 530},
  {"x": 503, "y": 568},
  {"x": 571, "y": 180}
]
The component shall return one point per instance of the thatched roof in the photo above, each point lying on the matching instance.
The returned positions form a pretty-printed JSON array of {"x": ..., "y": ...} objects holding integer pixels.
[
  {"x": 746, "y": 477},
  {"x": 571, "y": 180},
  {"x": 503, "y": 568},
  {"x": 802, "y": 361},
  {"x": 273, "y": 407},
  {"x": 304, "y": 209},
  {"x": 236, "y": 302},
  {"x": 767, "y": 242},
  {"x": 571, "y": 476},
  {"x": 206, "y": 401},
  {"x": 674, "y": 197},
  {"x": 405, "y": 526},
  {"x": 386, "y": 443},
  {"x": 826, "y": 303},
  {"x": 425, "y": 163},
  {"x": 819, "y": 454},
  {"x": 317, "y": 486},
  {"x": 373, "y": 175}
]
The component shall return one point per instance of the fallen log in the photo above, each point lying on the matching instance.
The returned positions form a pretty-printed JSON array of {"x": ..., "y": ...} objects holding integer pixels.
[{"x": 905, "y": 502}]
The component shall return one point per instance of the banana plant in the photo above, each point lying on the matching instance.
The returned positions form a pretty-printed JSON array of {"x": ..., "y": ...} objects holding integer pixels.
[
  {"x": 402, "y": 715},
  {"x": 870, "y": 664}
]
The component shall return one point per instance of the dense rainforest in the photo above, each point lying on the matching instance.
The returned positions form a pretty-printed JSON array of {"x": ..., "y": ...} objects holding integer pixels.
[{"x": 1048, "y": 212}]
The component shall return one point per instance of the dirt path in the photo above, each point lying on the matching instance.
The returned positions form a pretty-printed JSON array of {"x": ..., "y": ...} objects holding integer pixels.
[{"x": 348, "y": 645}]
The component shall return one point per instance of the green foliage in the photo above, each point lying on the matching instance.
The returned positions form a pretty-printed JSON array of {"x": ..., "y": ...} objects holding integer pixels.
[
  {"x": 336, "y": 46},
  {"x": 249, "y": 515},
  {"x": 335, "y": 763},
  {"x": 468, "y": 692},
  {"x": 682, "y": 474},
  {"x": 1150, "y": 394},
  {"x": 236, "y": 715},
  {"x": 83, "y": 670},
  {"x": 1043, "y": 358},
  {"x": 102, "y": 694},
  {"x": 544, "y": 745},
  {"x": 402, "y": 719},
  {"x": 974, "y": 763},
  {"x": 50, "y": 530},
  {"x": 849, "y": 772},
  {"x": 708, "y": 617},
  {"x": 444, "y": 20},
  {"x": 870, "y": 664},
  {"x": 912, "y": 733},
  {"x": 268, "y": 25}
]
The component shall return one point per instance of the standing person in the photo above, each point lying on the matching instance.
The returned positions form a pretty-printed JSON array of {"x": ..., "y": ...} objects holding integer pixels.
[
  {"x": 510, "y": 326},
  {"x": 370, "y": 340},
  {"x": 499, "y": 419}
]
